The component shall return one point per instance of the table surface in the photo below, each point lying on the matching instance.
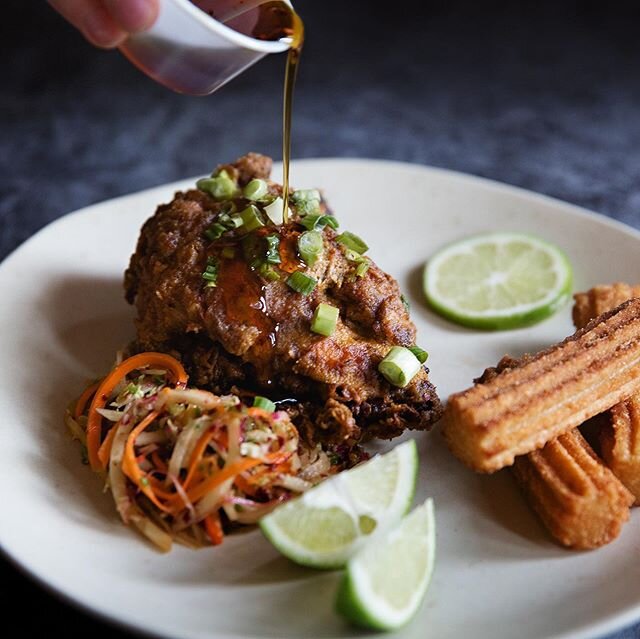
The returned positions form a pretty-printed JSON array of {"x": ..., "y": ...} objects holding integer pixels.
[{"x": 547, "y": 99}]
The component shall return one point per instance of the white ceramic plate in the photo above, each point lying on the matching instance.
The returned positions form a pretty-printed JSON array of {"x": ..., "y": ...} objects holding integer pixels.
[{"x": 63, "y": 316}]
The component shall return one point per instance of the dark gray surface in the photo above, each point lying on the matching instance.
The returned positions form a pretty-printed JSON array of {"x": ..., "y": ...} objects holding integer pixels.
[{"x": 546, "y": 98}]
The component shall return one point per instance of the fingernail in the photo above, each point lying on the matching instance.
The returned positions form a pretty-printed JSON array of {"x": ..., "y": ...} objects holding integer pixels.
[
  {"x": 101, "y": 30},
  {"x": 136, "y": 15}
]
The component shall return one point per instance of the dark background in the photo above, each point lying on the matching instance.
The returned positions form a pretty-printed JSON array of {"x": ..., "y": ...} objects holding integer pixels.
[{"x": 543, "y": 95}]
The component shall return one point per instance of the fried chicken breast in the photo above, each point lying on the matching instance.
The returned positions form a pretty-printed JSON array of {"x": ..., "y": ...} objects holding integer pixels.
[{"x": 245, "y": 327}]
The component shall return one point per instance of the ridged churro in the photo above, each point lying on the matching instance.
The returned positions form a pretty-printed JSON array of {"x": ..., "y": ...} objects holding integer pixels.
[
  {"x": 620, "y": 438},
  {"x": 543, "y": 396},
  {"x": 620, "y": 444},
  {"x": 601, "y": 299},
  {"x": 579, "y": 500}
]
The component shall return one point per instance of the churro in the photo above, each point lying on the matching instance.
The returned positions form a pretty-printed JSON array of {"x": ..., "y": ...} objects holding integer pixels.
[
  {"x": 620, "y": 444},
  {"x": 601, "y": 299},
  {"x": 620, "y": 438},
  {"x": 543, "y": 396},
  {"x": 579, "y": 500}
]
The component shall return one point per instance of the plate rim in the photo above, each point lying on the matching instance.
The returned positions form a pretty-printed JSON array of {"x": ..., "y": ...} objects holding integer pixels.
[
  {"x": 608, "y": 624},
  {"x": 574, "y": 209}
]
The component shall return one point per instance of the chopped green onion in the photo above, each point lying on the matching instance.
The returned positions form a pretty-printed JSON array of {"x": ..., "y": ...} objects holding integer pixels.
[
  {"x": 228, "y": 252},
  {"x": 353, "y": 242},
  {"x": 253, "y": 250},
  {"x": 305, "y": 195},
  {"x": 256, "y": 189},
  {"x": 227, "y": 208},
  {"x": 264, "y": 403},
  {"x": 400, "y": 366},
  {"x": 325, "y": 319},
  {"x": 310, "y": 222},
  {"x": 275, "y": 211},
  {"x": 352, "y": 256},
  {"x": 315, "y": 222},
  {"x": 251, "y": 218},
  {"x": 273, "y": 249},
  {"x": 204, "y": 184},
  {"x": 215, "y": 231},
  {"x": 310, "y": 246},
  {"x": 363, "y": 266},
  {"x": 301, "y": 283},
  {"x": 306, "y": 201},
  {"x": 210, "y": 274},
  {"x": 228, "y": 221},
  {"x": 221, "y": 187},
  {"x": 268, "y": 273},
  {"x": 419, "y": 353},
  {"x": 260, "y": 253},
  {"x": 405, "y": 303},
  {"x": 224, "y": 219},
  {"x": 237, "y": 220},
  {"x": 330, "y": 220}
]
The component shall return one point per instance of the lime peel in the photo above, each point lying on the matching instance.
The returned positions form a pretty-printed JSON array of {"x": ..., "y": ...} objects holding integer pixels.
[
  {"x": 385, "y": 583},
  {"x": 498, "y": 280},
  {"x": 329, "y": 523}
]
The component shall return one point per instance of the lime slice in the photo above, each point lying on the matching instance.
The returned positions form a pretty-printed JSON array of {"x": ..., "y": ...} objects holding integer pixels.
[
  {"x": 498, "y": 280},
  {"x": 324, "y": 527},
  {"x": 386, "y": 582}
]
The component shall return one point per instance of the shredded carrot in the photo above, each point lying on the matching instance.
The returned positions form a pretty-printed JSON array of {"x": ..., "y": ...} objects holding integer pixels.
[
  {"x": 87, "y": 394},
  {"x": 196, "y": 456},
  {"x": 130, "y": 465},
  {"x": 108, "y": 384},
  {"x": 200, "y": 481},
  {"x": 284, "y": 467},
  {"x": 277, "y": 458},
  {"x": 245, "y": 485},
  {"x": 158, "y": 462},
  {"x": 209, "y": 483},
  {"x": 256, "y": 411},
  {"x": 159, "y": 489},
  {"x": 213, "y": 526},
  {"x": 104, "y": 452}
]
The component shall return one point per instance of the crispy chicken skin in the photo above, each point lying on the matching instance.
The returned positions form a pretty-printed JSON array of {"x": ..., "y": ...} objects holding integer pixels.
[{"x": 253, "y": 334}]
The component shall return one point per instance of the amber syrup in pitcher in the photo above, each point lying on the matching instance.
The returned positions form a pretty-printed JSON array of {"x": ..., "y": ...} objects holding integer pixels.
[{"x": 270, "y": 20}]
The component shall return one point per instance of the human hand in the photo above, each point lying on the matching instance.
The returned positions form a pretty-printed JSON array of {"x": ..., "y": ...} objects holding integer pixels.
[{"x": 107, "y": 23}]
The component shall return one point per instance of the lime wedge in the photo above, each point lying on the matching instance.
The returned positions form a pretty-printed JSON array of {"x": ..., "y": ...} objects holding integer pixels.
[
  {"x": 324, "y": 527},
  {"x": 498, "y": 280},
  {"x": 386, "y": 581}
]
